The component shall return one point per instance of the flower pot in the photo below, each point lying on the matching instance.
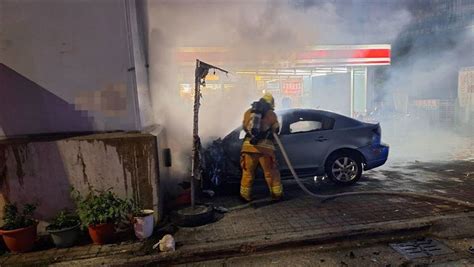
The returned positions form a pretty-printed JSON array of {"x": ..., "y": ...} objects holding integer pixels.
[
  {"x": 102, "y": 233},
  {"x": 20, "y": 240},
  {"x": 65, "y": 237},
  {"x": 143, "y": 225}
]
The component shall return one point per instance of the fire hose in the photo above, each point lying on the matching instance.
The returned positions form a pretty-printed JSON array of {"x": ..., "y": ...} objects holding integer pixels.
[{"x": 393, "y": 193}]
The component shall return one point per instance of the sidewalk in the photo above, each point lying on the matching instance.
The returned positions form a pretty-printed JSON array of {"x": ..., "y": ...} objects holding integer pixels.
[
  {"x": 54, "y": 255},
  {"x": 262, "y": 229},
  {"x": 299, "y": 219}
]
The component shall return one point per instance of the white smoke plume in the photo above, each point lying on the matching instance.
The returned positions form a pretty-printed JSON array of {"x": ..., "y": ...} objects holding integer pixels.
[
  {"x": 429, "y": 74},
  {"x": 249, "y": 29}
]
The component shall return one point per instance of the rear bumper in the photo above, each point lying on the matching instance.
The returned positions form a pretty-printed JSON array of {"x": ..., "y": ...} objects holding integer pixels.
[{"x": 375, "y": 155}]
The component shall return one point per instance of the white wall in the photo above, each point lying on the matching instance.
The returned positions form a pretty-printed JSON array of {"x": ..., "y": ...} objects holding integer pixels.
[{"x": 81, "y": 55}]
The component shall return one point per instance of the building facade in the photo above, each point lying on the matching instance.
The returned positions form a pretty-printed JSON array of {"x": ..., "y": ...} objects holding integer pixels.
[
  {"x": 428, "y": 56},
  {"x": 72, "y": 67}
]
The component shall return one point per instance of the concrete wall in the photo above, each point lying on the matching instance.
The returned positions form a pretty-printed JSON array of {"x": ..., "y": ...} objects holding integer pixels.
[
  {"x": 83, "y": 53},
  {"x": 27, "y": 108},
  {"x": 43, "y": 171}
]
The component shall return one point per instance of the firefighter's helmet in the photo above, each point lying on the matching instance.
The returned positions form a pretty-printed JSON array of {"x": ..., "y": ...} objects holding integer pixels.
[{"x": 268, "y": 97}]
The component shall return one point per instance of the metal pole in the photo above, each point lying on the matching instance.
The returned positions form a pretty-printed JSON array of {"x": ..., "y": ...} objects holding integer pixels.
[
  {"x": 200, "y": 73},
  {"x": 195, "y": 165},
  {"x": 352, "y": 92}
]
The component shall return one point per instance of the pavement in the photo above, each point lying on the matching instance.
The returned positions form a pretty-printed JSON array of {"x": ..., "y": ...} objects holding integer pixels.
[
  {"x": 298, "y": 220},
  {"x": 352, "y": 253}
]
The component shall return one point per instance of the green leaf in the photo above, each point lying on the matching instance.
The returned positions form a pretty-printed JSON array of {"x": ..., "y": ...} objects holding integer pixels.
[
  {"x": 13, "y": 219},
  {"x": 100, "y": 206}
]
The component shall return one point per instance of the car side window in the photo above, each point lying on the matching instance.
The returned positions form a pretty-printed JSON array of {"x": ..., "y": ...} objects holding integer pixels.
[
  {"x": 305, "y": 126},
  {"x": 308, "y": 122}
]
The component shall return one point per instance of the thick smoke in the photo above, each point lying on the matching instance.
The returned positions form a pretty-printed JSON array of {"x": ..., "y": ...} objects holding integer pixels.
[
  {"x": 427, "y": 71},
  {"x": 252, "y": 30}
]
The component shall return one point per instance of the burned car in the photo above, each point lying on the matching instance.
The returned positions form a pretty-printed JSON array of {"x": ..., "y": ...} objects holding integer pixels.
[{"x": 317, "y": 142}]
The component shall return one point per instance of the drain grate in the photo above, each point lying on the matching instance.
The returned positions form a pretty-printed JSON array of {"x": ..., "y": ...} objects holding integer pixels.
[{"x": 421, "y": 248}]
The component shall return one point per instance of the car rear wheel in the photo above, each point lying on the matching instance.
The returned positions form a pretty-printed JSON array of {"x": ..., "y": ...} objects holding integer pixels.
[{"x": 344, "y": 168}]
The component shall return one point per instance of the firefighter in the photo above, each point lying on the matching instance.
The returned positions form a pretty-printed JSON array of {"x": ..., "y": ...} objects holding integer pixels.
[{"x": 260, "y": 122}]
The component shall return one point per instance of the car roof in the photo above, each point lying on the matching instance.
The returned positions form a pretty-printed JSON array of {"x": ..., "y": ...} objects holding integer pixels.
[
  {"x": 308, "y": 110},
  {"x": 342, "y": 120}
]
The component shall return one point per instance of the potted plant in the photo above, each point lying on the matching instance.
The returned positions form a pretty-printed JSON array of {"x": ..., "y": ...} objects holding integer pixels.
[
  {"x": 143, "y": 222},
  {"x": 100, "y": 211},
  {"x": 19, "y": 229},
  {"x": 64, "y": 229}
]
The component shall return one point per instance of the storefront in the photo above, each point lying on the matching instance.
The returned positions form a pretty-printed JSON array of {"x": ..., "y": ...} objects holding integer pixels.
[{"x": 326, "y": 77}]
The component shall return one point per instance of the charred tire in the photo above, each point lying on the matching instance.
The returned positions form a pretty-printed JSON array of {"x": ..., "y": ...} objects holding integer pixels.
[
  {"x": 344, "y": 168},
  {"x": 189, "y": 217}
]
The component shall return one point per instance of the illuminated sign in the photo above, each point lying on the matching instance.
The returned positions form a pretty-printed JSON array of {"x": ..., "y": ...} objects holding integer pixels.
[
  {"x": 212, "y": 77},
  {"x": 292, "y": 87},
  {"x": 212, "y": 86},
  {"x": 185, "y": 88}
]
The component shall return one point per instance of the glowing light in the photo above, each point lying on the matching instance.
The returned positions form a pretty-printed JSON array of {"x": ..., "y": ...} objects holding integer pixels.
[
  {"x": 318, "y": 74},
  {"x": 186, "y": 88}
]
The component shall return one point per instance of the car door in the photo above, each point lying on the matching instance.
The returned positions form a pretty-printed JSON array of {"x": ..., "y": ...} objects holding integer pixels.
[{"x": 305, "y": 136}]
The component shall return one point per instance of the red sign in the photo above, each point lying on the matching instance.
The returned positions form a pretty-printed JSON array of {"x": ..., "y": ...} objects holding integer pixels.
[{"x": 292, "y": 87}]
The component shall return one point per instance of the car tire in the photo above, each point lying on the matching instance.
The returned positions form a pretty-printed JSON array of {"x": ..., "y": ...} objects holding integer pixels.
[{"x": 344, "y": 168}]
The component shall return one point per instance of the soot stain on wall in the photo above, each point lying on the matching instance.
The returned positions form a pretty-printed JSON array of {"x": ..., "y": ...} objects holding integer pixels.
[
  {"x": 4, "y": 186},
  {"x": 20, "y": 153},
  {"x": 80, "y": 160},
  {"x": 135, "y": 156}
]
